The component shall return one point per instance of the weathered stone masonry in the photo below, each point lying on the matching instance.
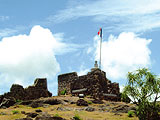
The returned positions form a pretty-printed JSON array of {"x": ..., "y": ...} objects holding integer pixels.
[
  {"x": 65, "y": 80},
  {"x": 94, "y": 84},
  {"x": 37, "y": 90}
]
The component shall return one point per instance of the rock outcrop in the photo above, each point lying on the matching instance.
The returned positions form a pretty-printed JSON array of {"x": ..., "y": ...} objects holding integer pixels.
[
  {"x": 40, "y": 116},
  {"x": 81, "y": 102},
  {"x": 37, "y": 90},
  {"x": 7, "y": 102}
]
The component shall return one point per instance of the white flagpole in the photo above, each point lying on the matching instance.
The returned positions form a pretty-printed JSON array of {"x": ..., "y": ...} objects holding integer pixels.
[{"x": 100, "y": 50}]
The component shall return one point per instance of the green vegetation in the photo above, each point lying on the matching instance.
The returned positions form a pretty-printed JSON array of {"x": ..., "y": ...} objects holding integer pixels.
[
  {"x": 63, "y": 92},
  {"x": 89, "y": 102},
  {"x": 15, "y": 111},
  {"x": 125, "y": 98},
  {"x": 144, "y": 87},
  {"x": 77, "y": 117},
  {"x": 56, "y": 115},
  {"x": 18, "y": 101},
  {"x": 130, "y": 113}
]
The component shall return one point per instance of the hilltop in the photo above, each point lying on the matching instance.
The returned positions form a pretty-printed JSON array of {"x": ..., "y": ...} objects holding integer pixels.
[
  {"x": 89, "y": 97},
  {"x": 67, "y": 107}
]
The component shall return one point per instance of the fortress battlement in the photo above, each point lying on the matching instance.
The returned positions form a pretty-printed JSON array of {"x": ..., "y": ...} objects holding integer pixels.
[{"x": 94, "y": 84}]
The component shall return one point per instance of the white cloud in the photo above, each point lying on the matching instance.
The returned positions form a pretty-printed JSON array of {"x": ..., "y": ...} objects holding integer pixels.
[
  {"x": 121, "y": 88},
  {"x": 3, "y": 18},
  {"x": 26, "y": 57},
  {"x": 7, "y": 32},
  {"x": 83, "y": 70},
  {"x": 120, "y": 15},
  {"x": 124, "y": 53},
  {"x": 89, "y": 50},
  {"x": 70, "y": 47}
]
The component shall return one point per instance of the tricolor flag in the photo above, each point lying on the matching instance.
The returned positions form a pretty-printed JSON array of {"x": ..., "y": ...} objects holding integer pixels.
[{"x": 100, "y": 32}]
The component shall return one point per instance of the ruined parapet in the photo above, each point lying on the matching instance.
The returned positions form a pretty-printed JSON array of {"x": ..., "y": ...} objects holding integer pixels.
[
  {"x": 64, "y": 82},
  {"x": 16, "y": 88},
  {"x": 80, "y": 83},
  {"x": 115, "y": 88},
  {"x": 41, "y": 83},
  {"x": 80, "y": 86},
  {"x": 39, "y": 89},
  {"x": 98, "y": 82},
  {"x": 97, "y": 71},
  {"x": 17, "y": 91},
  {"x": 94, "y": 84}
]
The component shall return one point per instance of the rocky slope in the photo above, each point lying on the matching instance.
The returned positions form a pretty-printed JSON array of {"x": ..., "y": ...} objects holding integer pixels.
[{"x": 67, "y": 107}]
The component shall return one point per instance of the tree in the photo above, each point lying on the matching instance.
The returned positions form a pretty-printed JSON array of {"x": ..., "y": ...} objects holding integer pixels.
[
  {"x": 125, "y": 98},
  {"x": 144, "y": 87}
]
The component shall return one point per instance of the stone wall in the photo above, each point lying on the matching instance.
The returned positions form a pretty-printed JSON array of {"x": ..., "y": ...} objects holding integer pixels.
[
  {"x": 65, "y": 80},
  {"x": 41, "y": 83},
  {"x": 94, "y": 84},
  {"x": 37, "y": 90}
]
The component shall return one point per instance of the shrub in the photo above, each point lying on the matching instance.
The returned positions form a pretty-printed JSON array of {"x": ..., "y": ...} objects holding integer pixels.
[
  {"x": 63, "y": 92},
  {"x": 125, "y": 98},
  {"x": 15, "y": 111},
  {"x": 144, "y": 87},
  {"x": 18, "y": 101},
  {"x": 77, "y": 117},
  {"x": 130, "y": 113},
  {"x": 89, "y": 102},
  {"x": 56, "y": 115}
]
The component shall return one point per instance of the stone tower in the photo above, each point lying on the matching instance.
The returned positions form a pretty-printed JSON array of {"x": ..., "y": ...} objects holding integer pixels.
[{"x": 94, "y": 83}]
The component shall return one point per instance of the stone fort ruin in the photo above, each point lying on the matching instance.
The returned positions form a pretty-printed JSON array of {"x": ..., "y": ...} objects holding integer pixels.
[
  {"x": 94, "y": 84},
  {"x": 35, "y": 91}
]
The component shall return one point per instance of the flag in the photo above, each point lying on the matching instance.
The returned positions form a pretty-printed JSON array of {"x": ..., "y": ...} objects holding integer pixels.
[{"x": 100, "y": 32}]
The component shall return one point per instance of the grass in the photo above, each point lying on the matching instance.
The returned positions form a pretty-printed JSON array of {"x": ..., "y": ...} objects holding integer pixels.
[
  {"x": 89, "y": 102},
  {"x": 77, "y": 117},
  {"x": 130, "y": 113},
  {"x": 15, "y": 111},
  {"x": 57, "y": 115},
  {"x": 63, "y": 92},
  {"x": 84, "y": 115},
  {"x": 52, "y": 110}
]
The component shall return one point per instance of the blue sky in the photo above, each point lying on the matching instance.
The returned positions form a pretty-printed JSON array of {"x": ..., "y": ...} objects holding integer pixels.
[{"x": 46, "y": 38}]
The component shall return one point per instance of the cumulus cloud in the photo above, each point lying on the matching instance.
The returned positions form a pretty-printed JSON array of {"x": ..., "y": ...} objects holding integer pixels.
[
  {"x": 26, "y": 57},
  {"x": 121, "y": 88},
  {"x": 124, "y": 53},
  {"x": 83, "y": 70}
]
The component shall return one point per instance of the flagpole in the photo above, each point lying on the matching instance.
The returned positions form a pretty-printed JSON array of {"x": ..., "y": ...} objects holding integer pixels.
[
  {"x": 100, "y": 53},
  {"x": 100, "y": 34}
]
